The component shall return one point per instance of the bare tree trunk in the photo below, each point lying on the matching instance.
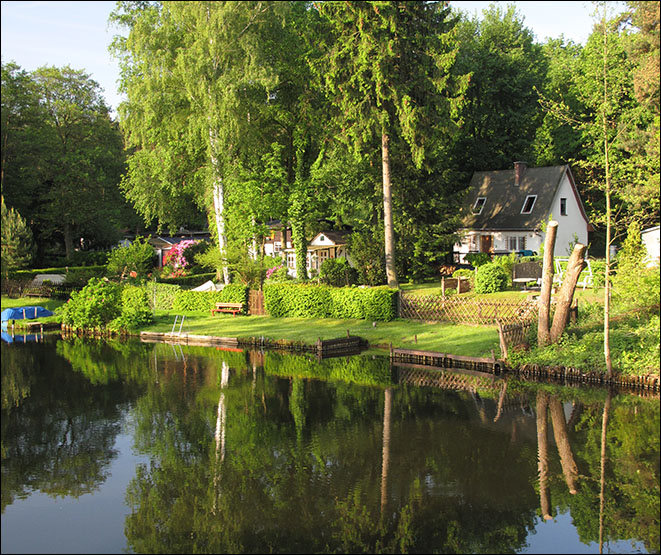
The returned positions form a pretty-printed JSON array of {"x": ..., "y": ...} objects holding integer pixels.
[
  {"x": 569, "y": 468},
  {"x": 566, "y": 294},
  {"x": 607, "y": 290},
  {"x": 68, "y": 241},
  {"x": 389, "y": 241},
  {"x": 542, "y": 454},
  {"x": 543, "y": 333}
]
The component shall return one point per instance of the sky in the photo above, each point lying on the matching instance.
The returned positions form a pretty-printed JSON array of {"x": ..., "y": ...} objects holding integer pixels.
[{"x": 37, "y": 33}]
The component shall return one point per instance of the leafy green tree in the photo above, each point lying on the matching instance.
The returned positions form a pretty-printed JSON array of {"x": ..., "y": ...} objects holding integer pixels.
[
  {"x": 17, "y": 242},
  {"x": 501, "y": 113},
  {"x": 196, "y": 75},
  {"x": 386, "y": 68},
  {"x": 135, "y": 260}
]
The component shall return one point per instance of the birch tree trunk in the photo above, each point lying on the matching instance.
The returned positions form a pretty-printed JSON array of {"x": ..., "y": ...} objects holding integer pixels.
[
  {"x": 218, "y": 204},
  {"x": 543, "y": 454},
  {"x": 389, "y": 239},
  {"x": 543, "y": 333},
  {"x": 566, "y": 294}
]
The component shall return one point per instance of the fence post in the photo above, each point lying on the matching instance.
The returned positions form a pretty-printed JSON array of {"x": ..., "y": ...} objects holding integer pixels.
[
  {"x": 443, "y": 286},
  {"x": 503, "y": 343}
]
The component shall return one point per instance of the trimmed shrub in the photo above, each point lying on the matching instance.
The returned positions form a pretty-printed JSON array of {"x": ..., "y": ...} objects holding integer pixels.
[
  {"x": 206, "y": 300},
  {"x": 321, "y": 301},
  {"x": 161, "y": 295},
  {"x": 136, "y": 260},
  {"x": 490, "y": 278},
  {"x": 189, "y": 281}
]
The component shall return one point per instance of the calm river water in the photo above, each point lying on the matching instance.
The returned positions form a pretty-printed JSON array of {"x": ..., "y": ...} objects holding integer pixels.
[{"x": 115, "y": 447}]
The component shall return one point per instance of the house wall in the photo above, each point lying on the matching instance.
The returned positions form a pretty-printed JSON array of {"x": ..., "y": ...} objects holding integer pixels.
[
  {"x": 570, "y": 223},
  {"x": 650, "y": 238},
  {"x": 471, "y": 241}
]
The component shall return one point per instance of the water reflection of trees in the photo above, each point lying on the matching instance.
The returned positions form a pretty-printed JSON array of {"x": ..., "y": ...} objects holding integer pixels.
[
  {"x": 58, "y": 429},
  {"x": 311, "y": 465},
  {"x": 257, "y": 452}
]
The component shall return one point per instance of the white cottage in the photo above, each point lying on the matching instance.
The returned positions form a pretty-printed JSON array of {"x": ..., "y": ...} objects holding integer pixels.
[
  {"x": 325, "y": 245},
  {"x": 506, "y": 210}
]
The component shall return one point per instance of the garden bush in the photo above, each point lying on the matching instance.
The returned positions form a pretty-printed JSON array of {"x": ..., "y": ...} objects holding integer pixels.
[
  {"x": 94, "y": 306},
  {"x": 161, "y": 295},
  {"x": 135, "y": 310},
  {"x": 490, "y": 278},
  {"x": 477, "y": 259},
  {"x": 136, "y": 260},
  {"x": 337, "y": 272},
  {"x": 188, "y": 281}
]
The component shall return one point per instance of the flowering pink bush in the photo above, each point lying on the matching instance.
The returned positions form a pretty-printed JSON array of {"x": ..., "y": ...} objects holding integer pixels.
[{"x": 175, "y": 259}]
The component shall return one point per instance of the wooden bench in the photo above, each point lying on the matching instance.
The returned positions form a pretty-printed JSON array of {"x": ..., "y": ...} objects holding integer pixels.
[{"x": 227, "y": 307}]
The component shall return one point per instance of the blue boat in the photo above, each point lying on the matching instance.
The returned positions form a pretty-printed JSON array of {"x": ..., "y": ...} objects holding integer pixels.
[{"x": 24, "y": 312}]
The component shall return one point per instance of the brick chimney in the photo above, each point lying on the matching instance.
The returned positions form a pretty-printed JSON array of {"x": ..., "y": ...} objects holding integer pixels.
[{"x": 519, "y": 168}]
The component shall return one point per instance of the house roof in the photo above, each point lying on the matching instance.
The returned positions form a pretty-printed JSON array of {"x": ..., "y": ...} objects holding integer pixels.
[
  {"x": 337, "y": 237},
  {"x": 505, "y": 199}
]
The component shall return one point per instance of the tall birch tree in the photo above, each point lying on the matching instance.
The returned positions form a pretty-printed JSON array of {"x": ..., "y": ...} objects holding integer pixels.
[{"x": 191, "y": 72}]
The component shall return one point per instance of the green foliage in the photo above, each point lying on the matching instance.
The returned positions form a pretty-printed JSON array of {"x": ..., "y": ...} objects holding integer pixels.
[
  {"x": 135, "y": 260},
  {"x": 337, "y": 272},
  {"x": 322, "y": 301},
  {"x": 368, "y": 255},
  {"x": 635, "y": 286},
  {"x": 161, "y": 295},
  {"x": 464, "y": 272},
  {"x": 94, "y": 306},
  {"x": 506, "y": 262},
  {"x": 206, "y": 300},
  {"x": 477, "y": 259},
  {"x": 490, "y": 278},
  {"x": 18, "y": 247},
  {"x": 135, "y": 312}
]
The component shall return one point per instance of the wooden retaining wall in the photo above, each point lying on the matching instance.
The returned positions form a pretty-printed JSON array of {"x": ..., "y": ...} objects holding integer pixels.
[{"x": 445, "y": 360}]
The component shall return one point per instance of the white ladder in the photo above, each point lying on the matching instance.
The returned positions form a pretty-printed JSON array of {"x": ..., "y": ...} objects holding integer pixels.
[{"x": 181, "y": 324}]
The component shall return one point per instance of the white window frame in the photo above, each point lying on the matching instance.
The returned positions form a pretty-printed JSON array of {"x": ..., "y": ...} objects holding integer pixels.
[
  {"x": 481, "y": 207},
  {"x": 532, "y": 206}
]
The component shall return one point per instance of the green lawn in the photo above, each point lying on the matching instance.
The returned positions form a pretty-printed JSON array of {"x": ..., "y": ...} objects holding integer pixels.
[{"x": 448, "y": 338}]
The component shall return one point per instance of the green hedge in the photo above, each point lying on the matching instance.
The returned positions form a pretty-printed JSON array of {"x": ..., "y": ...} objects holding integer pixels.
[
  {"x": 206, "y": 300},
  {"x": 300, "y": 300},
  {"x": 189, "y": 281},
  {"x": 161, "y": 295},
  {"x": 89, "y": 271}
]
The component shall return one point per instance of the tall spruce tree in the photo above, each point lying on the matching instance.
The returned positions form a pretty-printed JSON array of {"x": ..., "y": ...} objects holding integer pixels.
[
  {"x": 17, "y": 242},
  {"x": 386, "y": 67}
]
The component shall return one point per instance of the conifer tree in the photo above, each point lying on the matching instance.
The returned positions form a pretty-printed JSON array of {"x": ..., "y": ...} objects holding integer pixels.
[{"x": 17, "y": 242}]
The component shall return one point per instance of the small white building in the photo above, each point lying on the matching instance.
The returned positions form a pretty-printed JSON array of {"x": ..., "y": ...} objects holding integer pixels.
[
  {"x": 325, "y": 245},
  {"x": 507, "y": 209},
  {"x": 650, "y": 238}
]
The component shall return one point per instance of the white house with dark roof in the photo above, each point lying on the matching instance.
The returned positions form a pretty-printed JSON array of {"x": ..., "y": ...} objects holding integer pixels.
[
  {"x": 506, "y": 210},
  {"x": 650, "y": 238}
]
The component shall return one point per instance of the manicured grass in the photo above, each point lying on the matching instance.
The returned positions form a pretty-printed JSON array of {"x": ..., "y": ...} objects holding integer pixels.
[{"x": 447, "y": 338}]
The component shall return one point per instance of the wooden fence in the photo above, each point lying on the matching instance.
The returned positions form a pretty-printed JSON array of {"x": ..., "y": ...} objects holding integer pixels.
[
  {"x": 434, "y": 308},
  {"x": 256, "y": 302}
]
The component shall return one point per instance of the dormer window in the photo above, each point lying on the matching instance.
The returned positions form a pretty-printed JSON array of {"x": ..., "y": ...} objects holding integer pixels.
[
  {"x": 529, "y": 204},
  {"x": 479, "y": 205}
]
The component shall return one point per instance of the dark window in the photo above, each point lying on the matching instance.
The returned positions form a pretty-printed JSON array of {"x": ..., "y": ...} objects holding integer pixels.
[
  {"x": 528, "y": 204},
  {"x": 479, "y": 204},
  {"x": 563, "y": 206}
]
